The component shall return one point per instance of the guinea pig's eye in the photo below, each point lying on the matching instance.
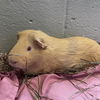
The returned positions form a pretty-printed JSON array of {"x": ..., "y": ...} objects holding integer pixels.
[{"x": 29, "y": 48}]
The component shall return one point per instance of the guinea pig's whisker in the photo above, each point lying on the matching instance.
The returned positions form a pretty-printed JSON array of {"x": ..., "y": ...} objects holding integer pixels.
[
  {"x": 15, "y": 55},
  {"x": 26, "y": 64}
]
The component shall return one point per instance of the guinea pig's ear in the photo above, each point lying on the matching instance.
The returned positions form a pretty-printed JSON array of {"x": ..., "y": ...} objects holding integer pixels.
[{"x": 40, "y": 43}]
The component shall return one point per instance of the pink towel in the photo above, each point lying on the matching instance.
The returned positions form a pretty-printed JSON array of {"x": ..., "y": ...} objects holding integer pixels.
[{"x": 52, "y": 87}]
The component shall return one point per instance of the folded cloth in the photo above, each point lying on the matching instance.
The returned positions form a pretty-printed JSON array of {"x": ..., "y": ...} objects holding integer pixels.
[{"x": 52, "y": 87}]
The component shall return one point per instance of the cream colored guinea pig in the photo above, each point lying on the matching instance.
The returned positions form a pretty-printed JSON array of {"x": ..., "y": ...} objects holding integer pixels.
[{"x": 37, "y": 52}]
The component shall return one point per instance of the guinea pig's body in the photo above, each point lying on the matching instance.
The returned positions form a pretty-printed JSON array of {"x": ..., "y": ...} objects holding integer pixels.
[{"x": 38, "y": 52}]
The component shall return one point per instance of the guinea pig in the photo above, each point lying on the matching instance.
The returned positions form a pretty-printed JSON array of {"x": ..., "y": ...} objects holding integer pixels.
[{"x": 36, "y": 52}]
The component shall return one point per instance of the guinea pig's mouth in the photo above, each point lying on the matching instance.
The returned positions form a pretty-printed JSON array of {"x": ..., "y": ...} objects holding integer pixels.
[{"x": 19, "y": 68}]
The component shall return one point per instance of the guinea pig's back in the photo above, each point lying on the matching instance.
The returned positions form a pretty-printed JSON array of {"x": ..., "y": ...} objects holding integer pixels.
[
  {"x": 83, "y": 48},
  {"x": 82, "y": 44}
]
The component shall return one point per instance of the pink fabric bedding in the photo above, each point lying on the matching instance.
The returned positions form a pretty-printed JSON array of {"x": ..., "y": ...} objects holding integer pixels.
[{"x": 52, "y": 87}]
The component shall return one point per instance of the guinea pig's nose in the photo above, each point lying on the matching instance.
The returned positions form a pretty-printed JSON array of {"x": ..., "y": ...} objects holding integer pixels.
[{"x": 12, "y": 62}]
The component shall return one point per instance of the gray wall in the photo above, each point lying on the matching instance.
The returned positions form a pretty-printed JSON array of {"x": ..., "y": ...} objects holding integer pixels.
[
  {"x": 83, "y": 18},
  {"x": 60, "y": 18}
]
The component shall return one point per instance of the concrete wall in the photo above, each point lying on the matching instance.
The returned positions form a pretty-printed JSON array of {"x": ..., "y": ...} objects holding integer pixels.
[
  {"x": 83, "y": 18},
  {"x": 61, "y": 18}
]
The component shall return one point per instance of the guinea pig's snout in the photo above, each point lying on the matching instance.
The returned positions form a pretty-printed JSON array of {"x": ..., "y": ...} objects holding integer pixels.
[{"x": 17, "y": 62}]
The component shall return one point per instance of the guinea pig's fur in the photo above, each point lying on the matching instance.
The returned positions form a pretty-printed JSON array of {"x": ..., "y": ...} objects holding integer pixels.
[{"x": 37, "y": 52}]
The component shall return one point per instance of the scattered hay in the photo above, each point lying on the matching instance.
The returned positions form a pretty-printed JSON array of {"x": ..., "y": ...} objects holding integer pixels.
[{"x": 4, "y": 66}]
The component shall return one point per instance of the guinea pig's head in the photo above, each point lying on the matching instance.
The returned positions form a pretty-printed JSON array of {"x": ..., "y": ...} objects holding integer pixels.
[{"x": 28, "y": 49}]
